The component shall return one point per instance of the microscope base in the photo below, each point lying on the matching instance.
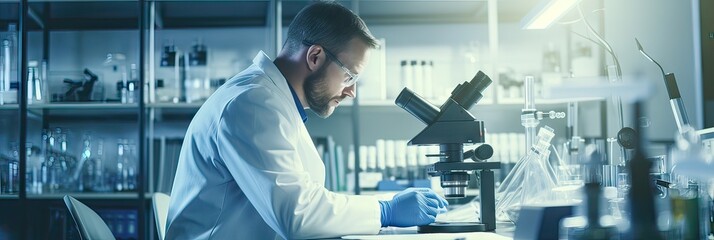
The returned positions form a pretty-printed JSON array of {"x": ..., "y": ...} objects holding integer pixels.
[{"x": 452, "y": 227}]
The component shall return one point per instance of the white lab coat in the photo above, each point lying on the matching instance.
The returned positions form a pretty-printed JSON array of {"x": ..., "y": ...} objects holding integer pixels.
[{"x": 248, "y": 170}]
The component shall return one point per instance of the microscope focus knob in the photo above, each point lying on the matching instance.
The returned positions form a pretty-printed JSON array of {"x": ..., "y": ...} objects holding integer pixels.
[{"x": 480, "y": 154}]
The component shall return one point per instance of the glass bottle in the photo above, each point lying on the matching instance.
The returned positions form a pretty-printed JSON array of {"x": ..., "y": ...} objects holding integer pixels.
[
  {"x": 120, "y": 167},
  {"x": 168, "y": 73},
  {"x": 198, "y": 75},
  {"x": 132, "y": 85}
]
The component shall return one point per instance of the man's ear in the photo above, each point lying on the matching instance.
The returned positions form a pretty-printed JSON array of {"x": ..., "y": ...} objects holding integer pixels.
[{"x": 315, "y": 57}]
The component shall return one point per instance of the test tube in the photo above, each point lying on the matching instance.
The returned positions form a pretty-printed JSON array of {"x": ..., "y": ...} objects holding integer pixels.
[
  {"x": 372, "y": 159},
  {"x": 381, "y": 157},
  {"x": 5, "y": 73},
  {"x": 118, "y": 186},
  {"x": 390, "y": 158},
  {"x": 412, "y": 161},
  {"x": 363, "y": 152},
  {"x": 428, "y": 84},
  {"x": 418, "y": 77},
  {"x": 407, "y": 75},
  {"x": 351, "y": 159},
  {"x": 401, "y": 158}
]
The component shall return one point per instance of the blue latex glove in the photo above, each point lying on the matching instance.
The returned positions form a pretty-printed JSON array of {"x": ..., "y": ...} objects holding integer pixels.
[{"x": 412, "y": 207}]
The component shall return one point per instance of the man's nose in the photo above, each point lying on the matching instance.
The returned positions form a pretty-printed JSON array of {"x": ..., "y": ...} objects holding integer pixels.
[{"x": 350, "y": 91}]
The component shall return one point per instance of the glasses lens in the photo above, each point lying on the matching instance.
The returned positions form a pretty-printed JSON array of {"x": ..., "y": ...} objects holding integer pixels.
[{"x": 351, "y": 80}]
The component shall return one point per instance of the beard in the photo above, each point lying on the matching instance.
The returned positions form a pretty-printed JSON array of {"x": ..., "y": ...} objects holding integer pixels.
[{"x": 317, "y": 93}]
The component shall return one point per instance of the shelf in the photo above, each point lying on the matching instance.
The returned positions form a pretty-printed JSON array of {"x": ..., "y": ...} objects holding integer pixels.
[
  {"x": 109, "y": 196},
  {"x": 124, "y": 14},
  {"x": 100, "y": 196},
  {"x": 175, "y": 105},
  {"x": 175, "y": 111},
  {"x": 382, "y": 12},
  {"x": 9, "y": 107},
  {"x": 520, "y": 101},
  {"x": 98, "y": 105},
  {"x": 205, "y": 14},
  {"x": 8, "y": 13},
  {"x": 9, "y": 196},
  {"x": 80, "y": 111},
  {"x": 85, "y": 15},
  {"x": 418, "y": 12}
]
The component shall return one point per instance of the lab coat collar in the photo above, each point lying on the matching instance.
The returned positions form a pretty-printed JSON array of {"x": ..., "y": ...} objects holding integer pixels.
[
  {"x": 298, "y": 104},
  {"x": 264, "y": 62}
]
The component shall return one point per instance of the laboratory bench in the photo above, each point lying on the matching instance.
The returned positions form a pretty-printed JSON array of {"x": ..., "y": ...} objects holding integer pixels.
[{"x": 504, "y": 231}]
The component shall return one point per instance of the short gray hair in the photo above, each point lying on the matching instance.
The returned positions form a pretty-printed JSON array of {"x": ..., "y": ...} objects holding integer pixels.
[{"x": 328, "y": 24}]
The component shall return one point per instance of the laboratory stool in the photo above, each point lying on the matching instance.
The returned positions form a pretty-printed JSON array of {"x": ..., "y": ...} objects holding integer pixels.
[
  {"x": 89, "y": 224},
  {"x": 160, "y": 202}
]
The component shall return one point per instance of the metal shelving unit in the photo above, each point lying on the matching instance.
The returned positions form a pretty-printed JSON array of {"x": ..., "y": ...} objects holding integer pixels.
[
  {"x": 149, "y": 17},
  {"x": 41, "y": 18}
]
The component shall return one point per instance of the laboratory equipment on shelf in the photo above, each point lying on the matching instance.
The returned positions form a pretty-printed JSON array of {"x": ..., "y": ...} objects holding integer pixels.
[
  {"x": 125, "y": 179},
  {"x": 116, "y": 71},
  {"x": 132, "y": 86},
  {"x": 450, "y": 127},
  {"x": 8, "y": 49},
  {"x": 33, "y": 175},
  {"x": 81, "y": 90},
  {"x": 417, "y": 75},
  {"x": 400, "y": 175},
  {"x": 88, "y": 175},
  {"x": 58, "y": 161},
  {"x": 9, "y": 171},
  {"x": 169, "y": 87},
  {"x": 198, "y": 78},
  {"x": 34, "y": 87}
]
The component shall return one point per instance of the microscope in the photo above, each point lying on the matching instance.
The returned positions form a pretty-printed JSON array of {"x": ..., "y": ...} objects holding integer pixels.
[{"x": 450, "y": 127}]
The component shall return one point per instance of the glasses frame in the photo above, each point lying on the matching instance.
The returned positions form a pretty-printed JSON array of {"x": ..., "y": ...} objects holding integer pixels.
[{"x": 352, "y": 76}]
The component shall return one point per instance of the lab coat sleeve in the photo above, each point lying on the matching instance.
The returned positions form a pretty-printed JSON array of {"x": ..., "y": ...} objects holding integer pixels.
[{"x": 257, "y": 142}]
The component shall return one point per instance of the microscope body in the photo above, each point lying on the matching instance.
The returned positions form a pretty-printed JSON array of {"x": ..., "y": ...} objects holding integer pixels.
[{"x": 450, "y": 127}]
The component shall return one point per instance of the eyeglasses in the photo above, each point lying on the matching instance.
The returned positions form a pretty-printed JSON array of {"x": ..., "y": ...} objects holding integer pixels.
[{"x": 352, "y": 79}]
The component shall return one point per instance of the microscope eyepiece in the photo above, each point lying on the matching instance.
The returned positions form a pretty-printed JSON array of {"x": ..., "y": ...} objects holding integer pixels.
[
  {"x": 481, "y": 81},
  {"x": 469, "y": 93},
  {"x": 417, "y": 106}
]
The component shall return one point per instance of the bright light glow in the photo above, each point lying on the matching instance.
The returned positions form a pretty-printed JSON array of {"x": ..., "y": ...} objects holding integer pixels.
[{"x": 546, "y": 13}]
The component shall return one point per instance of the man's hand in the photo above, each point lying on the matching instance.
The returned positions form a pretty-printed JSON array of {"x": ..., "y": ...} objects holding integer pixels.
[{"x": 412, "y": 207}]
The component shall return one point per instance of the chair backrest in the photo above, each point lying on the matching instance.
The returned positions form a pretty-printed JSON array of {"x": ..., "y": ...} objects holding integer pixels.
[
  {"x": 89, "y": 224},
  {"x": 160, "y": 202}
]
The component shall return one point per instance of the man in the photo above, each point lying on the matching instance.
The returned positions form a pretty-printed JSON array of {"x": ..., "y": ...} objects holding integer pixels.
[{"x": 248, "y": 167}]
